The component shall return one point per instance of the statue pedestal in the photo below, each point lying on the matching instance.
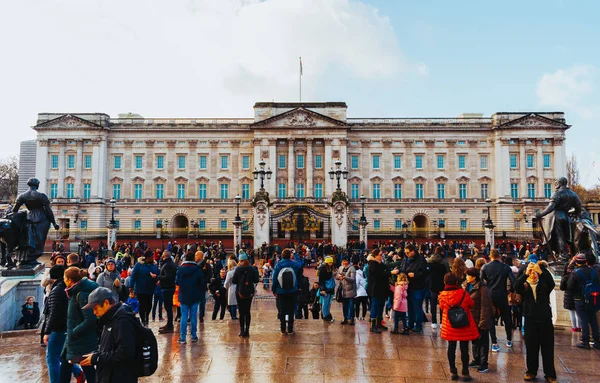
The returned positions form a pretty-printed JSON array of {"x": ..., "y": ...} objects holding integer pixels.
[
  {"x": 22, "y": 271},
  {"x": 15, "y": 289},
  {"x": 489, "y": 236},
  {"x": 262, "y": 224},
  {"x": 339, "y": 224}
]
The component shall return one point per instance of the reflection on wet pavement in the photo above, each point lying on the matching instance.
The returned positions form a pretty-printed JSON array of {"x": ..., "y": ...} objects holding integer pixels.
[{"x": 318, "y": 352}]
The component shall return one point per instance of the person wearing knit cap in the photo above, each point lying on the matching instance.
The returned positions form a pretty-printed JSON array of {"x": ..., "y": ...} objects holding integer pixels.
[
  {"x": 535, "y": 287},
  {"x": 326, "y": 274},
  {"x": 109, "y": 278},
  {"x": 579, "y": 278}
]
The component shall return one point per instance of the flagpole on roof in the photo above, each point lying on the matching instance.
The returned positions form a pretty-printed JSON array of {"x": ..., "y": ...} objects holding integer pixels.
[{"x": 300, "y": 79}]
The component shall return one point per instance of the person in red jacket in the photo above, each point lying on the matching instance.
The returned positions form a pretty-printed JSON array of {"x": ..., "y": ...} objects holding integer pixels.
[{"x": 454, "y": 296}]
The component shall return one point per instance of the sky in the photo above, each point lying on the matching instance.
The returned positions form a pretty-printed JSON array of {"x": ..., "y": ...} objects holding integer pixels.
[{"x": 384, "y": 58}]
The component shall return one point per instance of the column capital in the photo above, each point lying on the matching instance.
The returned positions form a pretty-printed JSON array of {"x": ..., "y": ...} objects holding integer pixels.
[
  {"x": 235, "y": 143},
  {"x": 171, "y": 143},
  {"x": 42, "y": 142},
  {"x": 213, "y": 143},
  {"x": 128, "y": 143},
  {"x": 192, "y": 143},
  {"x": 558, "y": 141},
  {"x": 150, "y": 143},
  {"x": 408, "y": 143},
  {"x": 272, "y": 141},
  {"x": 328, "y": 141}
]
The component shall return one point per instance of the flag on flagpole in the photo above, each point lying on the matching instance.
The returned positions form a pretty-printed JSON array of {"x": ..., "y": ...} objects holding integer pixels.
[{"x": 300, "y": 66}]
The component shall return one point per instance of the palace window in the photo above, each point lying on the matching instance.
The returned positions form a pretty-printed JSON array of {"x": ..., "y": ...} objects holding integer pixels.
[
  {"x": 514, "y": 190},
  {"x": 547, "y": 190},
  {"x": 83, "y": 224},
  {"x": 398, "y": 224},
  {"x": 462, "y": 161},
  {"x": 354, "y": 191},
  {"x": 139, "y": 162},
  {"x": 530, "y": 160},
  {"x": 202, "y": 191},
  {"x": 282, "y": 161},
  {"x": 245, "y": 191},
  {"x": 397, "y": 162},
  {"x": 117, "y": 162},
  {"x": 418, "y": 161},
  {"x": 137, "y": 224},
  {"x": 318, "y": 190},
  {"x": 419, "y": 191},
  {"x": 319, "y": 162},
  {"x": 224, "y": 162},
  {"x": 137, "y": 191},
  {"x": 353, "y": 161},
  {"x": 441, "y": 191},
  {"x": 223, "y": 224},
  {"x": 71, "y": 162},
  {"x": 376, "y": 161},
  {"x": 53, "y": 190},
  {"x": 160, "y": 162},
  {"x": 87, "y": 161},
  {"x": 180, "y": 191},
  {"x": 202, "y": 224},
  {"x": 245, "y": 162},
  {"x": 484, "y": 191},
  {"x": 224, "y": 191},
  {"x": 299, "y": 190},
  {"x": 530, "y": 190},
  {"x": 397, "y": 191},
  {"x": 54, "y": 161},
  {"x": 87, "y": 191},
  {"x": 513, "y": 161},
  {"x": 547, "y": 161},
  {"x": 70, "y": 190},
  {"x": 281, "y": 190},
  {"x": 462, "y": 191},
  {"x": 376, "y": 224},
  {"x": 180, "y": 162},
  {"x": 440, "y": 161},
  {"x": 160, "y": 191},
  {"x": 300, "y": 161},
  {"x": 376, "y": 191},
  {"x": 483, "y": 162},
  {"x": 202, "y": 162},
  {"x": 464, "y": 224},
  {"x": 116, "y": 191}
]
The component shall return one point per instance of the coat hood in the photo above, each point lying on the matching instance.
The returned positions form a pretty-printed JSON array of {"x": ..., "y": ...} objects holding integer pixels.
[
  {"x": 188, "y": 268},
  {"x": 435, "y": 258},
  {"x": 452, "y": 296}
]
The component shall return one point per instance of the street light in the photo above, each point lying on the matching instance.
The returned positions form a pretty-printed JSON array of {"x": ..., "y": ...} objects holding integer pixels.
[
  {"x": 166, "y": 220},
  {"x": 262, "y": 173},
  {"x": 237, "y": 223},
  {"x": 338, "y": 173},
  {"x": 238, "y": 201},
  {"x": 113, "y": 223},
  {"x": 363, "y": 200}
]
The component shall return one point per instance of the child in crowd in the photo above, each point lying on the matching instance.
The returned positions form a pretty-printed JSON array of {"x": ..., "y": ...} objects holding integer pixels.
[
  {"x": 315, "y": 307},
  {"x": 31, "y": 313},
  {"x": 133, "y": 302},
  {"x": 158, "y": 303},
  {"x": 219, "y": 293},
  {"x": 400, "y": 305}
]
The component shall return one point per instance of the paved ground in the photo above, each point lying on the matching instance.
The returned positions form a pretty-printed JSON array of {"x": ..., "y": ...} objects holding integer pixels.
[{"x": 318, "y": 352}]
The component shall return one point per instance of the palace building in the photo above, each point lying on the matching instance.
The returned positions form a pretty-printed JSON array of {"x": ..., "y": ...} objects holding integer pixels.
[{"x": 427, "y": 177}]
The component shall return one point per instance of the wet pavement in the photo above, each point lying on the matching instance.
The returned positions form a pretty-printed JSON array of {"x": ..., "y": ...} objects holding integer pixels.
[{"x": 318, "y": 352}]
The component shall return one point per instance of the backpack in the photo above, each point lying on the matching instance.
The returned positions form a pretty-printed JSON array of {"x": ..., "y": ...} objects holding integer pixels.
[
  {"x": 590, "y": 291},
  {"x": 457, "y": 316},
  {"x": 330, "y": 285},
  {"x": 146, "y": 350},
  {"x": 287, "y": 278},
  {"x": 245, "y": 286}
]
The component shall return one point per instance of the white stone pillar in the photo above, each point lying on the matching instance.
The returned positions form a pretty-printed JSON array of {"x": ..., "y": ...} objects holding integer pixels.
[
  {"x": 328, "y": 165},
  {"x": 309, "y": 168},
  {"x": 62, "y": 164},
  {"x": 291, "y": 169},
  {"x": 339, "y": 224},
  {"x": 257, "y": 157},
  {"x": 271, "y": 185},
  {"x": 41, "y": 165},
  {"x": 262, "y": 223},
  {"x": 560, "y": 159},
  {"x": 99, "y": 169},
  {"x": 363, "y": 234},
  {"x": 111, "y": 237},
  {"x": 346, "y": 164},
  {"x": 522, "y": 169},
  {"x": 489, "y": 236},
  {"x": 540, "y": 170}
]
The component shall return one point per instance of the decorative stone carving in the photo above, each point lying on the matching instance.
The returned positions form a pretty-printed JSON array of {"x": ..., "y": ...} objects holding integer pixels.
[
  {"x": 335, "y": 153},
  {"x": 128, "y": 143},
  {"x": 261, "y": 213},
  {"x": 264, "y": 154},
  {"x": 192, "y": 143},
  {"x": 150, "y": 143},
  {"x": 300, "y": 118},
  {"x": 171, "y": 143},
  {"x": 213, "y": 143}
]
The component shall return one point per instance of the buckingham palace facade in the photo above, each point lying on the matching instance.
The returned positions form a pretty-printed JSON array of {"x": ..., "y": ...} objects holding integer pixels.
[{"x": 420, "y": 176}]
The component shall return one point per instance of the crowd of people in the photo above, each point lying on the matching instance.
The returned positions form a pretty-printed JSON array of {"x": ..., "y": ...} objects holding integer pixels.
[{"x": 473, "y": 289}]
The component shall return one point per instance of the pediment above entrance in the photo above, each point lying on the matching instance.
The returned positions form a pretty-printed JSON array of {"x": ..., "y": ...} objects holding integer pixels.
[
  {"x": 300, "y": 118},
  {"x": 533, "y": 121},
  {"x": 69, "y": 122}
]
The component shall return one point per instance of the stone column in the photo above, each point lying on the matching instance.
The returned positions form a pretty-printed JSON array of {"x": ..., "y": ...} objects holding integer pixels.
[
  {"x": 364, "y": 169},
  {"x": 540, "y": 169},
  {"x": 309, "y": 168},
  {"x": 235, "y": 186},
  {"x": 262, "y": 223},
  {"x": 345, "y": 163},
  {"x": 257, "y": 157},
  {"x": 560, "y": 158},
  {"x": 62, "y": 164},
  {"x": 489, "y": 235},
  {"x": 291, "y": 169},
  {"x": 41, "y": 165},
  {"x": 111, "y": 237},
  {"x": 522, "y": 169},
  {"x": 237, "y": 234},
  {"x": 271, "y": 185},
  {"x": 363, "y": 232}
]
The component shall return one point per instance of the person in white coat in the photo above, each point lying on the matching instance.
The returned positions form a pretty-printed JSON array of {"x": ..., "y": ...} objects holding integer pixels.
[
  {"x": 361, "y": 299},
  {"x": 231, "y": 287}
]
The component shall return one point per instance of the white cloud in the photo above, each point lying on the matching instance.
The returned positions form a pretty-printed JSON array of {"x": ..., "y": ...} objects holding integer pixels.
[
  {"x": 183, "y": 57},
  {"x": 569, "y": 89}
]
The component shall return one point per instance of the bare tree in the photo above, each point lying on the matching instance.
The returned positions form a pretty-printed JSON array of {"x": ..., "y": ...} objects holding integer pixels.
[
  {"x": 9, "y": 178},
  {"x": 572, "y": 171}
]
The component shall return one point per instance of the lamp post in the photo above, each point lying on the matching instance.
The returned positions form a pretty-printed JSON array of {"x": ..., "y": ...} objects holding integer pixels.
[
  {"x": 112, "y": 226},
  {"x": 262, "y": 173},
  {"x": 237, "y": 224},
  {"x": 338, "y": 173},
  {"x": 166, "y": 221},
  {"x": 363, "y": 221},
  {"x": 489, "y": 225}
]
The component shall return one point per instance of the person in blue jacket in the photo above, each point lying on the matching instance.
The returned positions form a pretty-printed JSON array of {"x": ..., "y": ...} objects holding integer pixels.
[
  {"x": 143, "y": 279},
  {"x": 190, "y": 280},
  {"x": 285, "y": 288}
]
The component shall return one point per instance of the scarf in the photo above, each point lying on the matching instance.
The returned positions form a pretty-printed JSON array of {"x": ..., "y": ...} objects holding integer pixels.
[{"x": 533, "y": 288}]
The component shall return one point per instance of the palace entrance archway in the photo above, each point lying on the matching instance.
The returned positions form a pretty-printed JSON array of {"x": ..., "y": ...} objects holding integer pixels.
[
  {"x": 300, "y": 223},
  {"x": 180, "y": 226},
  {"x": 421, "y": 226}
]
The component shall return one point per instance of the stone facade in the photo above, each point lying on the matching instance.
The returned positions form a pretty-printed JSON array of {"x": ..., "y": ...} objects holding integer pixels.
[{"x": 416, "y": 173}]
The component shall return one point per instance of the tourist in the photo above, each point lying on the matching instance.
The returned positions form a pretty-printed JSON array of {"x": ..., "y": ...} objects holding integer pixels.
[
  {"x": 190, "y": 281},
  {"x": 207, "y": 272},
  {"x": 143, "y": 280},
  {"x": 82, "y": 334},
  {"x": 166, "y": 279},
  {"x": 479, "y": 263},
  {"x": 133, "y": 302},
  {"x": 315, "y": 306},
  {"x": 483, "y": 315},
  {"x": 438, "y": 267},
  {"x": 109, "y": 278},
  {"x": 285, "y": 288},
  {"x": 346, "y": 274},
  {"x": 568, "y": 299},
  {"x": 55, "y": 326},
  {"x": 582, "y": 280},
  {"x": 267, "y": 270},
  {"x": 219, "y": 293},
  {"x": 326, "y": 287},
  {"x": 400, "y": 305},
  {"x": 361, "y": 299},
  {"x": 459, "y": 269},
  {"x": 117, "y": 350},
  {"x": 230, "y": 286},
  {"x": 157, "y": 303},
  {"x": 303, "y": 297},
  {"x": 415, "y": 267},
  {"x": 454, "y": 297},
  {"x": 496, "y": 276},
  {"x": 535, "y": 287},
  {"x": 245, "y": 277},
  {"x": 30, "y": 312},
  {"x": 378, "y": 288}
]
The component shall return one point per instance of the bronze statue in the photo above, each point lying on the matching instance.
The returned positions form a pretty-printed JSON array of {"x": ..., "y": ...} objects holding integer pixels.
[
  {"x": 565, "y": 222},
  {"x": 25, "y": 232}
]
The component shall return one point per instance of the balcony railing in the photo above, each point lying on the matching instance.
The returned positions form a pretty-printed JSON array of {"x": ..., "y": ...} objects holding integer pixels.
[
  {"x": 182, "y": 121},
  {"x": 420, "y": 121}
]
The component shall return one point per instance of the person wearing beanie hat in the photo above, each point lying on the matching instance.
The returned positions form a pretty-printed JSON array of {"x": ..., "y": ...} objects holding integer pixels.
[
  {"x": 582, "y": 276},
  {"x": 110, "y": 278},
  {"x": 55, "y": 325},
  {"x": 532, "y": 258},
  {"x": 326, "y": 287},
  {"x": 483, "y": 315}
]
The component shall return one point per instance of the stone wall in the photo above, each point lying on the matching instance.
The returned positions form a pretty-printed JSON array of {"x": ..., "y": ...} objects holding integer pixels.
[{"x": 13, "y": 292}]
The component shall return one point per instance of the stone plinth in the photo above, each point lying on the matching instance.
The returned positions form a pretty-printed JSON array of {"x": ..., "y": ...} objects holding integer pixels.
[
  {"x": 22, "y": 272},
  {"x": 13, "y": 293}
]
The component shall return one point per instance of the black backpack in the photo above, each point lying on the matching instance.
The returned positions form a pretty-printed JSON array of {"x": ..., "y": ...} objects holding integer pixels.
[
  {"x": 287, "y": 278},
  {"x": 146, "y": 350},
  {"x": 245, "y": 286},
  {"x": 457, "y": 316}
]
